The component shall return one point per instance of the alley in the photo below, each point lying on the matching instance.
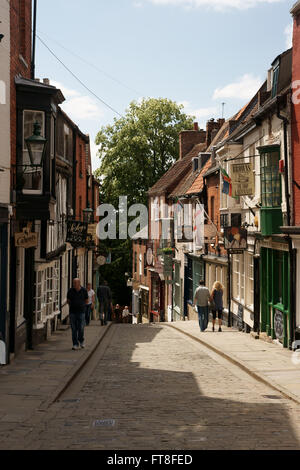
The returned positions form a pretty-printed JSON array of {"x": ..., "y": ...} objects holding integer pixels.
[{"x": 150, "y": 387}]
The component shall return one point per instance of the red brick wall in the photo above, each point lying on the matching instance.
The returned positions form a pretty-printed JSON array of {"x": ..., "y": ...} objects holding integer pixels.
[
  {"x": 20, "y": 24},
  {"x": 296, "y": 121}
]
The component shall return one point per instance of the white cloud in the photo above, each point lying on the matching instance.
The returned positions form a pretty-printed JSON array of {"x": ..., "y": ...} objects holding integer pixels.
[
  {"x": 79, "y": 107},
  {"x": 219, "y": 5},
  {"x": 289, "y": 36},
  {"x": 244, "y": 88},
  {"x": 199, "y": 112}
]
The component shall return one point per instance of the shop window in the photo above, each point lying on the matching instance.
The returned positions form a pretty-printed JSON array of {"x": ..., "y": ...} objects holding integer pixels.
[
  {"x": 31, "y": 179},
  {"x": 198, "y": 274},
  {"x": 270, "y": 179},
  {"x": 177, "y": 286},
  {"x": 155, "y": 295},
  {"x": 190, "y": 286},
  {"x": 47, "y": 292},
  {"x": 224, "y": 220}
]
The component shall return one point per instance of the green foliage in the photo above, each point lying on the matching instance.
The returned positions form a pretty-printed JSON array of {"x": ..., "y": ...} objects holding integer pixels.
[
  {"x": 139, "y": 148},
  {"x": 134, "y": 153}
]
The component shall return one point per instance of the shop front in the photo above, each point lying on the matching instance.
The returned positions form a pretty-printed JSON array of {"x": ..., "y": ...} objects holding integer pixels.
[{"x": 276, "y": 315}]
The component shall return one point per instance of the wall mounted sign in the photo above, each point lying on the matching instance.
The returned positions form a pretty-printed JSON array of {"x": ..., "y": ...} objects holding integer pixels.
[
  {"x": 76, "y": 233},
  {"x": 236, "y": 238},
  {"x": 243, "y": 181},
  {"x": 149, "y": 256},
  {"x": 26, "y": 239},
  {"x": 279, "y": 324}
]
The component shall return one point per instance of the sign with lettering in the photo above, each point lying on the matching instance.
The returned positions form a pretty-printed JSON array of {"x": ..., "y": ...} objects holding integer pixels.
[
  {"x": 77, "y": 233},
  {"x": 26, "y": 239},
  {"x": 243, "y": 181},
  {"x": 236, "y": 238}
]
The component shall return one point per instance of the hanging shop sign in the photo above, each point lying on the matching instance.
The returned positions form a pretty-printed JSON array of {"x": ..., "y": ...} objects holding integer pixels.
[
  {"x": 236, "y": 239},
  {"x": 101, "y": 260},
  {"x": 26, "y": 239},
  {"x": 243, "y": 181},
  {"x": 149, "y": 255},
  {"x": 77, "y": 233},
  {"x": 92, "y": 230}
]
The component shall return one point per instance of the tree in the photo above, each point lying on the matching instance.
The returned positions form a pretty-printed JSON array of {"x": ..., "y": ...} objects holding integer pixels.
[
  {"x": 135, "y": 152},
  {"x": 139, "y": 148}
]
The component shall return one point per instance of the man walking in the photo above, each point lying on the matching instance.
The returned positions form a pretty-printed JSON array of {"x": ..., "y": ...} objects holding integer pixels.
[
  {"x": 105, "y": 299},
  {"x": 202, "y": 296},
  {"x": 77, "y": 299}
]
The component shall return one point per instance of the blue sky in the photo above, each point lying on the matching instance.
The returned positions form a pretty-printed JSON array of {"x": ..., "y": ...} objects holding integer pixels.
[{"x": 197, "y": 52}]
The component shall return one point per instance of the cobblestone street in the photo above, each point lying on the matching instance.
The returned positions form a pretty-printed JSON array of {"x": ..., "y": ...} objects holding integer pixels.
[{"x": 151, "y": 387}]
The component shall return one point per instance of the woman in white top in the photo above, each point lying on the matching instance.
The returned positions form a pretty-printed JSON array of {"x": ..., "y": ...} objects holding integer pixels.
[{"x": 91, "y": 304}]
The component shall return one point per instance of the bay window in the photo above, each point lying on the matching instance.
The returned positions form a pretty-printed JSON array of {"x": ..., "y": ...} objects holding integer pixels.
[{"x": 32, "y": 177}]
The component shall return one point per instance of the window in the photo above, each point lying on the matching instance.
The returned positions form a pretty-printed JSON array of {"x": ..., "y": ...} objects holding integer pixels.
[
  {"x": 20, "y": 274},
  {"x": 47, "y": 292},
  {"x": 141, "y": 265},
  {"x": 65, "y": 277},
  {"x": 145, "y": 265},
  {"x": 190, "y": 286},
  {"x": 177, "y": 286},
  {"x": 198, "y": 274},
  {"x": 135, "y": 262},
  {"x": 212, "y": 209},
  {"x": 224, "y": 220},
  {"x": 236, "y": 220},
  {"x": 31, "y": 178},
  {"x": 249, "y": 280},
  {"x": 239, "y": 277},
  {"x": 270, "y": 179},
  {"x": 66, "y": 142}
]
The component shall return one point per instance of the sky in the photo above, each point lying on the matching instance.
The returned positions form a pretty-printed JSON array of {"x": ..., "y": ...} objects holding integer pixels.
[{"x": 200, "y": 53}]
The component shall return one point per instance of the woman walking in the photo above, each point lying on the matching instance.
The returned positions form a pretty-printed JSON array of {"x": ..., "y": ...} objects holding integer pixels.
[{"x": 217, "y": 300}]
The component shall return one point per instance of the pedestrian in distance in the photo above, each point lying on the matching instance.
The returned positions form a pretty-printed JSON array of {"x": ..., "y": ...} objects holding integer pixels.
[
  {"x": 105, "y": 299},
  {"x": 216, "y": 300},
  {"x": 90, "y": 306},
  {"x": 78, "y": 300},
  {"x": 117, "y": 313},
  {"x": 201, "y": 299},
  {"x": 126, "y": 315}
]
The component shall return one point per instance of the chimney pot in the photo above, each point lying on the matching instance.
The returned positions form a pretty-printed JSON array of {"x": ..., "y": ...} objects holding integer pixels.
[
  {"x": 46, "y": 81},
  {"x": 196, "y": 126}
]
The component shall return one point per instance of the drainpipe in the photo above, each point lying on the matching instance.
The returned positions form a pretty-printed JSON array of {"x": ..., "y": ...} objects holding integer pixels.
[
  {"x": 292, "y": 252},
  {"x": 33, "y": 40}
]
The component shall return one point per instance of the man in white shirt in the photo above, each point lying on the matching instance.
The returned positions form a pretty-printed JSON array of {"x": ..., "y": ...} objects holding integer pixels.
[
  {"x": 91, "y": 304},
  {"x": 201, "y": 299}
]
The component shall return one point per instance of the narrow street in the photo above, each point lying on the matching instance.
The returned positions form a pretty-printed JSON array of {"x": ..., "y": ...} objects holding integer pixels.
[{"x": 145, "y": 387}]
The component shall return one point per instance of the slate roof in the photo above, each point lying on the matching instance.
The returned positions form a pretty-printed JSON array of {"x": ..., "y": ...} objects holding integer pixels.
[{"x": 174, "y": 176}]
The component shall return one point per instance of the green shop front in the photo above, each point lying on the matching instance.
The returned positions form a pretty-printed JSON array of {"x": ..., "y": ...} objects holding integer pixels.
[
  {"x": 194, "y": 273},
  {"x": 275, "y": 262},
  {"x": 275, "y": 290}
]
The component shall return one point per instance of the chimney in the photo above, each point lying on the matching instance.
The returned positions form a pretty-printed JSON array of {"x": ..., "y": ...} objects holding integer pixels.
[
  {"x": 188, "y": 139},
  {"x": 212, "y": 128},
  {"x": 46, "y": 81}
]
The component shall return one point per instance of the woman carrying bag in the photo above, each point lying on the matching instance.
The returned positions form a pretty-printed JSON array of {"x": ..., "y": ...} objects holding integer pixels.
[{"x": 216, "y": 301}]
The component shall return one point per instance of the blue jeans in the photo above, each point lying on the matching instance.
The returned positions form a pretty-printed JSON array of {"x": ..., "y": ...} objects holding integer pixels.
[
  {"x": 88, "y": 311},
  {"x": 77, "y": 324},
  {"x": 203, "y": 313}
]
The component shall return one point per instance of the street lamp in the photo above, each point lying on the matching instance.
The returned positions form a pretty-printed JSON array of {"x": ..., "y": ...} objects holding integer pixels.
[
  {"x": 36, "y": 145},
  {"x": 88, "y": 215}
]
